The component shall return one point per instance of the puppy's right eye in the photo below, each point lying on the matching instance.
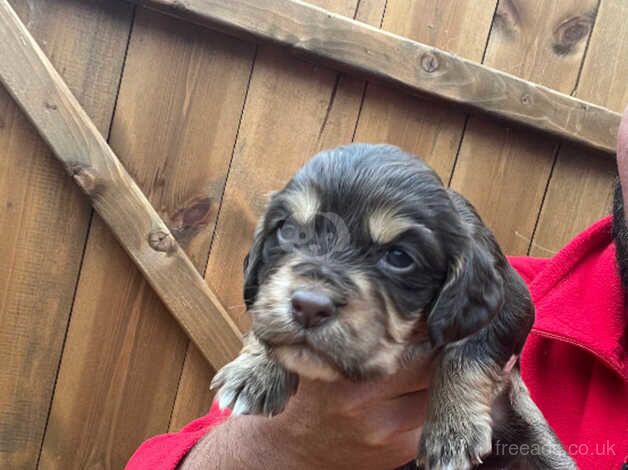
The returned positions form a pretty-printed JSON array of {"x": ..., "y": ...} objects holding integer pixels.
[{"x": 398, "y": 260}]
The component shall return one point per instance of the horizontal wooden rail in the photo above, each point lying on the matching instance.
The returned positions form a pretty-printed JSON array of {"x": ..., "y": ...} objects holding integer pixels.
[
  {"x": 30, "y": 78},
  {"x": 356, "y": 46}
]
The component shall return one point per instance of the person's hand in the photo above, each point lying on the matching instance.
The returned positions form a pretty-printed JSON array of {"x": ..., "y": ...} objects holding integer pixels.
[
  {"x": 347, "y": 425},
  {"x": 341, "y": 425}
]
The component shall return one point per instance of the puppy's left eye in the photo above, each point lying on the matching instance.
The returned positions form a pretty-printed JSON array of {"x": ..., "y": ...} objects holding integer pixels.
[
  {"x": 288, "y": 231},
  {"x": 398, "y": 259}
]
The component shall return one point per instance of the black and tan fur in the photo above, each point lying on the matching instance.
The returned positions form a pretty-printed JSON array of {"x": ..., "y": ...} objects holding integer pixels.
[{"x": 460, "y": 304}]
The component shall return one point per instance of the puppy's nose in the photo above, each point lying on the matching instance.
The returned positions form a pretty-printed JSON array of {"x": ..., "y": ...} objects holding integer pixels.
[{"x": 311, "y": 309}]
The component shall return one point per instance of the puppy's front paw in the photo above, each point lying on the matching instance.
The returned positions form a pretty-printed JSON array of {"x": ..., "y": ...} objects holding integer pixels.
[
  {"x": 455, "y": 443},
  {"x": 254, "y": 384}
]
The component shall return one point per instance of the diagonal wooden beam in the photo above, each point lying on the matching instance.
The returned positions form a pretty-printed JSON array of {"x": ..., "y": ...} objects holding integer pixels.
[
  {"x": 38, "y": 89},
  {"x": 358, "y": 47}
]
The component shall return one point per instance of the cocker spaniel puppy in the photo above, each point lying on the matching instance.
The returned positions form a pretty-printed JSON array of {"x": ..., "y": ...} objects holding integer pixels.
[{"x": 365, "y": 262}]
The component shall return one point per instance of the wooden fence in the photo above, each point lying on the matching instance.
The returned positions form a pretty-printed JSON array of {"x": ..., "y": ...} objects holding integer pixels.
[{"x": 91, "y": 361}]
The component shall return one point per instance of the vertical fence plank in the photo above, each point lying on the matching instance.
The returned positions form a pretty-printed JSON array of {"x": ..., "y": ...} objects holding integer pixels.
[
  {"x": 286, "y": 106},
  {"x": 431, "y": 129},
  {"x": 175, "y": 123},
  {"x": 43, "y": 216},
  {"x": 293, "y": 109},
  {"x": 581, "y": 187},
  {"x": 504, "y": 170}
]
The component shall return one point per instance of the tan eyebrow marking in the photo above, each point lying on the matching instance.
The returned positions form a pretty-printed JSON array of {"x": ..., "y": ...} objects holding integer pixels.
[
  {"x": 384, "y": 225},
  {"x": 304, "y": 204}
]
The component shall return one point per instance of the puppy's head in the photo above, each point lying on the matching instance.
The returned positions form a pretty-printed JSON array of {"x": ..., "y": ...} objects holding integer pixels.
[{"x": 359, "y": 256}]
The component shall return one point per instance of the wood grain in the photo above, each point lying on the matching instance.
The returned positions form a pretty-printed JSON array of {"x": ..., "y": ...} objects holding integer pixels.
[
  {"x": 43, "y": 216},
  {"x": 293, "y": 109},
  {"x": 581, "y": 187},
  {"x": 414, "y": 66},
  {"x": 420, "y": 125},
  {"x": 174, "y": 131},
  {"x": 502, "y": 169},
  {"x": 39, "y": 90}
]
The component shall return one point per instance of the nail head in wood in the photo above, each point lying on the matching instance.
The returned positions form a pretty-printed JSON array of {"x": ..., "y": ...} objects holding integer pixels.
[{"x": 429, "y": 62}]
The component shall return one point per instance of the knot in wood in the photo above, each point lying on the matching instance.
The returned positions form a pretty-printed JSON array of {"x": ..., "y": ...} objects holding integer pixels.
[
  {"x": 188, "y": 221},
  {"x": 507, "y": 18},
  {"x": 569, "y": 33},
  {"x": 84, "y": 177},
  {"x": 429, "y": 62},
  {"x": 160, "y": 240},
  {"x": 526, "y": 99},
  {"x": 197, "y": 213}
]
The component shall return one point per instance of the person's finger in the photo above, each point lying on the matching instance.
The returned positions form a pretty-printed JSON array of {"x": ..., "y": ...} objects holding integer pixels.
[
  {"x": 336, "y": 389},
  {"x": 406, "y": 446},
  {"x": 414, "y": 377},
  {"x": 401, "y": 414},
  {"x": 341, "y": 396}
]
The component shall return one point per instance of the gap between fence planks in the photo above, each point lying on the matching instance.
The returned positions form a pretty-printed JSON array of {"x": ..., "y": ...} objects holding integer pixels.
[
  {"x": 33, "y": 82},
  {"x": 356, "y": 46}
]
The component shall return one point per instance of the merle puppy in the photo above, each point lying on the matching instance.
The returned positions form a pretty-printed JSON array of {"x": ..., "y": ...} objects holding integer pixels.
[{"x": 365, "y": 262}]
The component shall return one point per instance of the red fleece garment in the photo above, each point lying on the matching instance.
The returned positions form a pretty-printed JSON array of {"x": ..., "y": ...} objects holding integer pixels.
[{"x": 572, "y": 361}]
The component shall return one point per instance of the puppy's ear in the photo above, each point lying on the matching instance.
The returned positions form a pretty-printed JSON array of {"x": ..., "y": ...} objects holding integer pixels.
[
  {"x": 253, "y": 261},
  {"x": 252, "y": 264},
  {"x": 471, "y": 296}
]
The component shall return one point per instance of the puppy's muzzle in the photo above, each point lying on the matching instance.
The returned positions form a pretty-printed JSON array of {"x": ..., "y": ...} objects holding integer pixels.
[{"x": 311, "y": 308}]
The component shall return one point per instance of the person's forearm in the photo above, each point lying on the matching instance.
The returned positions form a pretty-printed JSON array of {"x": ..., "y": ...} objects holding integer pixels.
[{"x": 243, "y": 442}]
